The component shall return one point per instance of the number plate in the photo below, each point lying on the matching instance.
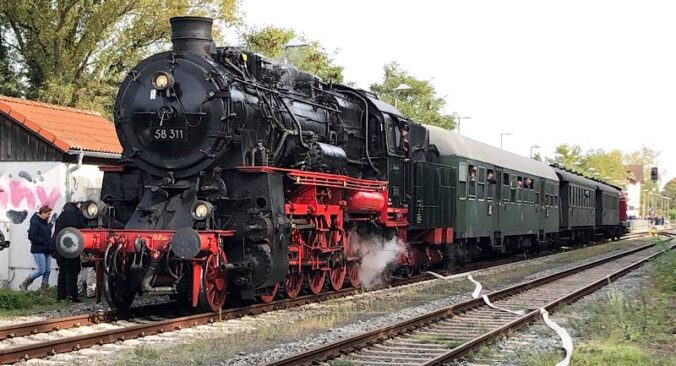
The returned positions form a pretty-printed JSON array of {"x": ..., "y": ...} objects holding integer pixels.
[{"x": 168, "y": 134}]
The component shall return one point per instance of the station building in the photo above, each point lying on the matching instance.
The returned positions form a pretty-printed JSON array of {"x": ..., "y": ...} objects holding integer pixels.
[{"x": 49, "y": 155}]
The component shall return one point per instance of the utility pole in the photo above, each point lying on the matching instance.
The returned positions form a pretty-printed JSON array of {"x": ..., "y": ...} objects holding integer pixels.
[
  {"x": 457, "y": 117},
  {"x": 536, "y": 146},
  {"x": 503, "y": 134},
  {"x": 400, "y": 88}
]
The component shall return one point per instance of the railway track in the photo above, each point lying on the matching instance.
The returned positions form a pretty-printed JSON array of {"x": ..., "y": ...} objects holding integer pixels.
[
  {"x": 446, "y": 334},
  {"x": 145, "y": 321}
]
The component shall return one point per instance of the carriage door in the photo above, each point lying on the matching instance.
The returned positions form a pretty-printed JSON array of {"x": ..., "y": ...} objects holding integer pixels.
[
  {"x": 496, "y": 207},
  {"x": 599, "y": 207}
]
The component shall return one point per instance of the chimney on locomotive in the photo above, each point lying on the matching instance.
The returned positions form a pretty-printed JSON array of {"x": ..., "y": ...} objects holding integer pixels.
[{"x": 192, "y": 34}]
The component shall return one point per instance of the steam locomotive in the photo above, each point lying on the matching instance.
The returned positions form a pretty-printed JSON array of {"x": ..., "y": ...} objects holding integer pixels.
[{"x": 241, "y": 177}]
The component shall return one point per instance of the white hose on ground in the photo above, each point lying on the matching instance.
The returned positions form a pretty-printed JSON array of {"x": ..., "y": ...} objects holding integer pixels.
[
  {"x": 477, "y": 292},
  {"x": 566, "y": 340}
]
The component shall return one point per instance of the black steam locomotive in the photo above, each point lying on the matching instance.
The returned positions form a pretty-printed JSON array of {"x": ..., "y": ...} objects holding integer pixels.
[{"x": 241, "y": 177}]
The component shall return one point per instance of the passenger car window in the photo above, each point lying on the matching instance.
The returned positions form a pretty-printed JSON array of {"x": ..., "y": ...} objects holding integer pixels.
[
  {"x": 462, "y": 180},
  {"x": 490, "y": 184},
  {"x": 512, "y": 186},
  {"x": 481, "y": 183},
  {"x": 462, "y": 172},
  {"x": 472, "y": 172}
]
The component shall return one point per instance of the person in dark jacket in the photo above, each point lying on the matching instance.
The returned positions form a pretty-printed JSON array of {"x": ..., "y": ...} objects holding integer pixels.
[
  {"x": 39, "y": 234},
  {"x": 69, "y": 268}
]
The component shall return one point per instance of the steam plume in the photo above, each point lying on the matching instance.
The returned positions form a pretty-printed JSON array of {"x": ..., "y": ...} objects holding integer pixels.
[{"x": 377, "y": 253}]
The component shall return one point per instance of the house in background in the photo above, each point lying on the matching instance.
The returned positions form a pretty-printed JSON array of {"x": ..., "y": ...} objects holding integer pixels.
[
  {"x": 49, "y": 155},
  {"x": 633, "y": 190}
]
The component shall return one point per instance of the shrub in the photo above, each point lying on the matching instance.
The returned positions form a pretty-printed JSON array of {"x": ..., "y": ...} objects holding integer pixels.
[{"x": 14, "y": 300}]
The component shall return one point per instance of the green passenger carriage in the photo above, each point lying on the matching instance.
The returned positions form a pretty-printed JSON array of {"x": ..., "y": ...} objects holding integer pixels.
[{"x": 502, "y": 201}]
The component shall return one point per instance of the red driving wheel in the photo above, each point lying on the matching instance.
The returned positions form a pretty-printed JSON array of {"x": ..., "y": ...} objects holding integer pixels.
[
  {"x": 214, "y": 282},
  {"x": 353, "y": 273},
  {"x": 315, "y": 279},
  {"x": 268, "y": 294},
  {"x": 293, "y": 283}
]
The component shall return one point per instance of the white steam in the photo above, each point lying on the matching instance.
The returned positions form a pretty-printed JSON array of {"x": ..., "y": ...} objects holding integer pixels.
[{"x": 376, "y": 253}]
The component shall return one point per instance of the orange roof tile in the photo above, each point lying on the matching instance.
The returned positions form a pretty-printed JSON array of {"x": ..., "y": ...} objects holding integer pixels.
[{"x": 64, "y": 127}]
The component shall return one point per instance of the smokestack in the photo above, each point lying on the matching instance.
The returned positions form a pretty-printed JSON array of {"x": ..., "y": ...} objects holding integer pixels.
[{"x": 192, "y": 34}]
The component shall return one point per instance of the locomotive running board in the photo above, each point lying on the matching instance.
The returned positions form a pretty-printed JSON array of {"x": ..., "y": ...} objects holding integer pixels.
[{"x": 320, "y": 179}]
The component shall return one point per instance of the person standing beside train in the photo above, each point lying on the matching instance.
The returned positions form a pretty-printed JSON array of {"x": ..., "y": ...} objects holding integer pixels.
[
  {"x": 39, "y": 234},
  {"x": 69, "y": 268}
]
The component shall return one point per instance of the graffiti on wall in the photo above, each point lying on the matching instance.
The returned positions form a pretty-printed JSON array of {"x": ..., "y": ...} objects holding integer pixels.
[{"x": 23, "y": 191}]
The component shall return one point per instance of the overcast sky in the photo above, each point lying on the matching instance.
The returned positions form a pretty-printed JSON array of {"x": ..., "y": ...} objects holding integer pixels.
[{"x": 600, "y": 74}]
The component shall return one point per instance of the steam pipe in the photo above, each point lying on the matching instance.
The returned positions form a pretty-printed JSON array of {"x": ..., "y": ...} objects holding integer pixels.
[
  {"x": 69, "y": 194},
  {"x": 295, "y": 120}
]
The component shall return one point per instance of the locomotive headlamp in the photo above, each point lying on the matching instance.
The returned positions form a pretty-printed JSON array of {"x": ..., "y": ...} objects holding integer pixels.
[
  {"x": 201, "y": 210},
  {"x": 90, "y": 210},
  {"x": 162, "y": 80}
]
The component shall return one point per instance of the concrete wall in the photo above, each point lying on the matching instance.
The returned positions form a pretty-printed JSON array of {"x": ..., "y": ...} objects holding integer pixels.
[{"x": 24, "y": 187}]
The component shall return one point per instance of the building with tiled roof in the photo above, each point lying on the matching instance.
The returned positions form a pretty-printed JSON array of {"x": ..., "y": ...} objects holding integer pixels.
[
  {"x": 49, "y": 155},
  {"x": 66, "y": 130}
]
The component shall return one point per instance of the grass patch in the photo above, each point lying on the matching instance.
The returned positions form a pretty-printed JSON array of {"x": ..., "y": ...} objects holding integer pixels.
[
  {"x": 340, "y": 363},
  {"x": 452, "y": 344},
  {"x": 16, "y": 303},
  {"x": 600, "y": 353},
  {"x": 484, "y": 353},
  {"x": 624, "y": 330},
  {"x": 428, "y": 339}
]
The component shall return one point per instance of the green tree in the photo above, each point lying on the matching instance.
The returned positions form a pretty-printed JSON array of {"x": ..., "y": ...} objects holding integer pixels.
[
  {"x": 9, "y": 79},
  {"x": 670, "y": 190},
  {"x": 607, "y": 166},
  {"x": 420, "y": 103},
  {"x": 600, "y": 164},
  {"x": 308, "y": 56},
  {"x": 570, "y": 156},
  {"x": 75, "y": 52},
  {"x": 537, "y": 156}
]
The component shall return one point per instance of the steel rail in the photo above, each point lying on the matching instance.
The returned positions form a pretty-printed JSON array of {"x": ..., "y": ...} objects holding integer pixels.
[
  {"x": 80, "y": 320},
  {"x": 52, "y": 347},
  {"x": 349, "y": 345}
]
